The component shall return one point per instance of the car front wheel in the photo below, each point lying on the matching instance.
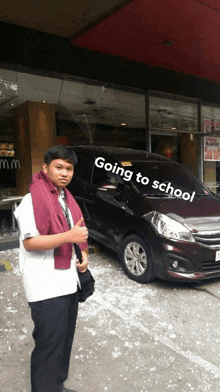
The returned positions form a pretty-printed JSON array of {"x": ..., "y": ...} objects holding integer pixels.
[{"x": 136, "y": 259}]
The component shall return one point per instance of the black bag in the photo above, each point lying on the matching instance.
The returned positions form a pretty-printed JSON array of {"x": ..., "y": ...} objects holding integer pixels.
[{"x": 87, "y": 282}]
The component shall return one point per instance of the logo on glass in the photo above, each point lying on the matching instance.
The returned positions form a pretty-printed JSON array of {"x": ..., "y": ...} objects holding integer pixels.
[{"x": 4, "y": 164}]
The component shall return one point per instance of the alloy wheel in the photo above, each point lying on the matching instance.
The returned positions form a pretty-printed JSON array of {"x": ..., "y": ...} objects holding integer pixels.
[{"x": 135, "y": 258}]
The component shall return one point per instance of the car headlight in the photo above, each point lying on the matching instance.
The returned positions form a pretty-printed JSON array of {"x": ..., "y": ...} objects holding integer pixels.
[{"x": 169, "y": 227}]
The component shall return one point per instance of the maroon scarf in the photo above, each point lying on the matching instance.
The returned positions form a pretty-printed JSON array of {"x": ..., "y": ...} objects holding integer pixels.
[{"x": 50, "y": 218}]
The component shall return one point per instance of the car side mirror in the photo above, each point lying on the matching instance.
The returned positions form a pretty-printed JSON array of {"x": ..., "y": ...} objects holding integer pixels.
[
  {"x": 108, "y": 190},
  {"x": 107, "y": 187}
]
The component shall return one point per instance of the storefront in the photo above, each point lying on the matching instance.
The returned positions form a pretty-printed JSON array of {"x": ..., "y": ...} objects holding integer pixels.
[
  {"x": 211, "y": 146},
  {"x": 39, "y": 111}
]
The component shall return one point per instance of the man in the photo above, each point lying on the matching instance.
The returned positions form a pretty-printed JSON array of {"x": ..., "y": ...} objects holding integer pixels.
[{"x": 50, "y": 221}]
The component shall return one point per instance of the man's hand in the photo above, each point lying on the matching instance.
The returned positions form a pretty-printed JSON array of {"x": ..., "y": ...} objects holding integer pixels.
[
  {"x": 83, "y": 266},
  {"x": 78, "y": 234}
]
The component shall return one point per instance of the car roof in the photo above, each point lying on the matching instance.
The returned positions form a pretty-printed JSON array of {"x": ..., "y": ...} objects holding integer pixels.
[{"x": 122, "y": 154}]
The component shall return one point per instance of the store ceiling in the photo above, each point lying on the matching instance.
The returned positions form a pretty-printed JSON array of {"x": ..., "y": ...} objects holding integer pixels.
[
  {"x": 63, "y": 18},
  {"x": 88, "y": 105},
  {"x": 82, "y": 103},
  {"x": 174, "y": 34}
]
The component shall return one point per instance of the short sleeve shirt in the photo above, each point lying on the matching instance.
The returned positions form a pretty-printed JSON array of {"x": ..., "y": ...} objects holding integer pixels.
[{"x": 40, "y": 278}]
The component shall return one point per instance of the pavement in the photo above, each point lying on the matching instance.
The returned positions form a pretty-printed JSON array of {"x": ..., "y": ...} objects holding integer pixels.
[
  {"x": 129, "y": 337},
  {"x": 9, "y": 241}
]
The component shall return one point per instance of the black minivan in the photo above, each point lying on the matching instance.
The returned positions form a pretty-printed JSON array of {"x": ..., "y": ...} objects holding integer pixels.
[{"x": 153, "y": 212}]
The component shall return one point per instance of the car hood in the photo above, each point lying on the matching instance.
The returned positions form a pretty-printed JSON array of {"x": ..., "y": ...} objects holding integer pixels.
[{"x": 200, "y": 214}]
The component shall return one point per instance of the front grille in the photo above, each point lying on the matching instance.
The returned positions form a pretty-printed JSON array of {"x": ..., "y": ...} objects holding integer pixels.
[
  {"x": 210, "y": 239},
  {"x": 211, "y": 266}
]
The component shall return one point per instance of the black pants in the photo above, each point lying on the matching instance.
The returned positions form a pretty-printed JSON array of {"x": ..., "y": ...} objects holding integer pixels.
[{"x": 54, "y": 326}]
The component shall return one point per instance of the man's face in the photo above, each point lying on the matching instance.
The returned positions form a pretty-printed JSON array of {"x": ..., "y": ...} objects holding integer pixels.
[{"x": 60, "y": 172}]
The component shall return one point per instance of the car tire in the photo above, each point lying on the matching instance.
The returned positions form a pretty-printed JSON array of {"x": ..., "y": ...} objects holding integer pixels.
[{"x": 136, "y": 259}]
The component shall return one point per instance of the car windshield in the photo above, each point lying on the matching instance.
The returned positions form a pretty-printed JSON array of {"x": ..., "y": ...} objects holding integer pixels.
[{"x": 147, "y": 177}]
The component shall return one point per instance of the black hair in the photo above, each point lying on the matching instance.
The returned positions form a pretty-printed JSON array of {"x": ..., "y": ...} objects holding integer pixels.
[{"x": 60, "y": 152}]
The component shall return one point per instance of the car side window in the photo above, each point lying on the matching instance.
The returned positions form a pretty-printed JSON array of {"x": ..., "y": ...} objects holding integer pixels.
[
  {"x": 100, "y": 176},
  {"x": 84, "y": 166}
]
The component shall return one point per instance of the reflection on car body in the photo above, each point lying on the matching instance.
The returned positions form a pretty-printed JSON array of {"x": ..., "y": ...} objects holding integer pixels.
[{"x": 155, "y": 232}]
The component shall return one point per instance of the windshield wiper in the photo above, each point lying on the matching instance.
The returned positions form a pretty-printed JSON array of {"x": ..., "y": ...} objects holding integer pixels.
[
  {"x": 202, "y": 195},
  {"x": 160, "y": 195}
]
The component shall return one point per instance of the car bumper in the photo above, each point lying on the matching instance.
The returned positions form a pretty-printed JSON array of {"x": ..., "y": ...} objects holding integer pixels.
[
  {"x": 195, "y": 262},
  {"x": 192, "y": 276}
]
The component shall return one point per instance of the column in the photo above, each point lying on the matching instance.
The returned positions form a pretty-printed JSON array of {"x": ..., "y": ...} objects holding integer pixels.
[{"x": 35, "y": 132}]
